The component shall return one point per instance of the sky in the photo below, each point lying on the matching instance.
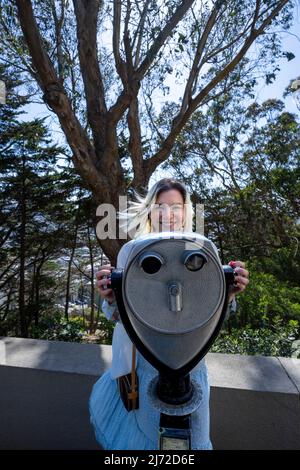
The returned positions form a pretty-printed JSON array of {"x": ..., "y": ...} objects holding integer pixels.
[{"x": 288, "y": 71}]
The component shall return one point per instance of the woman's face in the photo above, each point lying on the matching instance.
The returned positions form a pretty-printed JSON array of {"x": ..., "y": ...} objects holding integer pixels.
[{"x": 167, "y": 214}]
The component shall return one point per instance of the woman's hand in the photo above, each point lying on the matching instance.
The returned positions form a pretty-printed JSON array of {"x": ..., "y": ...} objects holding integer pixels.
[
  {"x": 103, "y": 283},
  {"x": 241, "y": 278}
]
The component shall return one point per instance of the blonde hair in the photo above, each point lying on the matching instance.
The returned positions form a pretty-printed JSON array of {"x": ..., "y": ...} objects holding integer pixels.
[{"x": 136, "y": 219}]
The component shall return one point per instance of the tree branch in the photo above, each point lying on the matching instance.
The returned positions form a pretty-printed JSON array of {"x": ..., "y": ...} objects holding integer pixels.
[
  {"x": 13, "y": 46},
  {"x": 55, "y": 97},
  {"x": 132, "y": 85},
  {"x": 161, "y": 38},
  {"x": 58, "y": 24},
  {"x": 180, "y": 120},
  {"x": 127, "y": 45},
  {"x": 195, "y": 67},
  {"x": 3, "y": 273},
  {"x": 120, "y": 64},
  {"x": 139, "y": 33},
  {"x": 82, "y": 272},
  {"x": 248, "y": 26},
  {"x": 135, "y": 143},
  {"x": 86, "y": 12}
]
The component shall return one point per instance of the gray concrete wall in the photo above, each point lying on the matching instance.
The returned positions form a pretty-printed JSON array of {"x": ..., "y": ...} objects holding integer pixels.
[
  {"x": 254, "y": 402},
  {"x": 45, "y": 386}
]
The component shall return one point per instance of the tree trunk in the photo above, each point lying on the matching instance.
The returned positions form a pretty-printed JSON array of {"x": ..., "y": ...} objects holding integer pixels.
[
  {"x": 31, "y": 296},
  {"x": 70, "y": 264},
  {"x": 97, "y": 160},
  {"x": 22, "y": 310},
  {"x": 92, "y": 326},
  {"x": 37, "y": 292}
]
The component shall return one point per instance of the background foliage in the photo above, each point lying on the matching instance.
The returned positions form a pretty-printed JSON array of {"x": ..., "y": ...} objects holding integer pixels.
[{"x": 238, "y": 157}]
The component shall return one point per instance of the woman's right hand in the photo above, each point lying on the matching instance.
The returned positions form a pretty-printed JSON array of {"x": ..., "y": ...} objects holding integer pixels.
[{"x": 103, "y": 282}]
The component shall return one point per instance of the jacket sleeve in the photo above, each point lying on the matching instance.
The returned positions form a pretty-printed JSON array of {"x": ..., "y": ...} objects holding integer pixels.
[
  {"x": 111, "y": 310},
  {"x": 231, "y": 309}
]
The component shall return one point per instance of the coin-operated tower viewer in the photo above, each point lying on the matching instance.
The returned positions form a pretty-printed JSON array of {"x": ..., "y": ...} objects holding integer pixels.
[{"x": 172, "y": 297}]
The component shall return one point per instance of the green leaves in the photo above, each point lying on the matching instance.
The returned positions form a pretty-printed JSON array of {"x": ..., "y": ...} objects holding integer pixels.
[
  {"x": 278, "y": 340},
  {"x": 270, "y": 77},
  {"x": 288, "y": 55},
  {"x": 56, "y": 328},
  {"x": 243, "y": 165}
]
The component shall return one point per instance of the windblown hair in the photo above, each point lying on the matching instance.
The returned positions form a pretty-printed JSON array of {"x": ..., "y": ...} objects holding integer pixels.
[{"x": 136, "y": 219}]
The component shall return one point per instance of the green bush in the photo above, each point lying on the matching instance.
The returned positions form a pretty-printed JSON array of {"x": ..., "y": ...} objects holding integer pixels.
[
  {"x": 266, "y": 297},
  {"x": 275, "y": 340},
  {"x": 56, "y": 327},
  {"x": 107, "y": 328}
]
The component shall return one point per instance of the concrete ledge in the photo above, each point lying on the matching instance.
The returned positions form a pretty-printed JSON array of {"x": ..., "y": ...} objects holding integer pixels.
[
  {"x": 45, "y": 386},
  {"x": 254, "y": 402}
]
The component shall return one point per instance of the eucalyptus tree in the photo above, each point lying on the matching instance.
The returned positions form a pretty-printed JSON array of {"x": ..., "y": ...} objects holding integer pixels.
[
  {"x": 242, "y": 163},
  {"x": 102, "y": 67}
]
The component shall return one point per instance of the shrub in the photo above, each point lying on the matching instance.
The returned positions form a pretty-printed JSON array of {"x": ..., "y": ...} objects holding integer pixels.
[
  {"x": 266, "y": 297},
  {"x": 56, "y": 327},
  {"x": 279, "y": 339},
  {"x": 106, "y": 327}
]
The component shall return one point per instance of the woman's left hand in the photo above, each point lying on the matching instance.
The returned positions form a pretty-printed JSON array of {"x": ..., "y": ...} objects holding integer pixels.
[{"x": 241, "y": 278}]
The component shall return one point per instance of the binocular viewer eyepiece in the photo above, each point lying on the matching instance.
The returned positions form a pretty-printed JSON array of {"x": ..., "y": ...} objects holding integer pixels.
[{"x": 152, "y": 262}]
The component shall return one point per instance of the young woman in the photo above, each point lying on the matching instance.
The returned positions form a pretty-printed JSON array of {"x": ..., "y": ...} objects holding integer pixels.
[{"x": 166, "y": 207}]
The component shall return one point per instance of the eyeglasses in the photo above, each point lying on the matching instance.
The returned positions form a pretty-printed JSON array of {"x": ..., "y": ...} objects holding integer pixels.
[{"x": 166, "y": 208}]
